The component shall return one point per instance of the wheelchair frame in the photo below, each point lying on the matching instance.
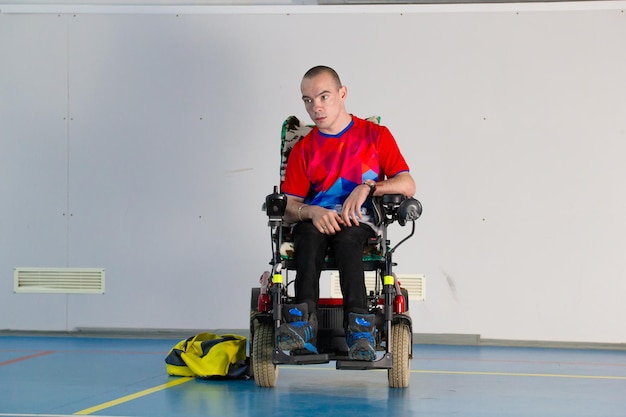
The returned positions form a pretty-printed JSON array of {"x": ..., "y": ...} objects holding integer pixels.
[{"x": 388, "y": 302}]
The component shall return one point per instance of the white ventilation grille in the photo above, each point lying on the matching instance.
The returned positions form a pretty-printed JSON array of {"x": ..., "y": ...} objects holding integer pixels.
[
  {"x": 414, "y": 284},
  {"x": 59, "y": 280}
]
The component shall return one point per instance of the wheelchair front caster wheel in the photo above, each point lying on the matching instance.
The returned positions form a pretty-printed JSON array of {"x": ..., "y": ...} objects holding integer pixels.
[
  {"x": 400, "y": 373},
  {"x": 263, "y": 368}
]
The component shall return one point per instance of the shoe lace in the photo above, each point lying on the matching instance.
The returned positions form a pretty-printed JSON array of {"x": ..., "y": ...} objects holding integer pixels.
[
  {"x": 353, "y": 337},
  {"x": 306, "y": 332}
]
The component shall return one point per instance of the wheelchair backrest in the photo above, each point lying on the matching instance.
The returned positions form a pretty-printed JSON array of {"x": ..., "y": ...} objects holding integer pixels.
[{"x": 293, "y": 130}]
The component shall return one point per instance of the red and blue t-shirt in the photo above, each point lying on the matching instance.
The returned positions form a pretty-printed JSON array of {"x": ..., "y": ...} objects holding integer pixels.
[{"x": 324, "y": 169}]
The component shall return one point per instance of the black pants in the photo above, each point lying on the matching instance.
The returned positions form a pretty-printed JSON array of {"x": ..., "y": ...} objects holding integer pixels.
[{"x": 347, "y": 246}]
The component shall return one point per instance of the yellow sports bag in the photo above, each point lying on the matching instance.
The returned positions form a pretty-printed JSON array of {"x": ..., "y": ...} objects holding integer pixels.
[{"x": 208, "y": 355}]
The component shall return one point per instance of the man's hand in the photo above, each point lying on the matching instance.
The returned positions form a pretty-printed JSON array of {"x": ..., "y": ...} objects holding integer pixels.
[
  {"x": 329, "y": 222},
  {"x": 326, "y": 221},
  {"x": 351, "y": 212}
]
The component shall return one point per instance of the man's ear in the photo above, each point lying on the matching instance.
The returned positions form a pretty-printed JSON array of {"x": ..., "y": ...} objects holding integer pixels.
[{"x": 343, "y": 92}]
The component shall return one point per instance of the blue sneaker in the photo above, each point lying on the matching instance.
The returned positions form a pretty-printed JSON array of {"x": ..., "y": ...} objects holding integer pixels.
[
  {"x": 360, "y": 337},
  {"x": 298, "y": 332}
]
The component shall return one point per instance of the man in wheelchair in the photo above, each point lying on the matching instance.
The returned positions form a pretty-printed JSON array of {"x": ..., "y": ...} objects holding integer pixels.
[{"x": 331, "y": 175}]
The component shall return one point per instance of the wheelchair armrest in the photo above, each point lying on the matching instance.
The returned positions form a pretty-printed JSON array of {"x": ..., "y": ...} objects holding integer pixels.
[
  {"x": 391, "y": 207},
  {"x": 392, "y": 199}
]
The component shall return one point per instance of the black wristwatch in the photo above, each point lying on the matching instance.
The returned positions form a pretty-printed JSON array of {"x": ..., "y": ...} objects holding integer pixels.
[{"x": 372, "y": 185}]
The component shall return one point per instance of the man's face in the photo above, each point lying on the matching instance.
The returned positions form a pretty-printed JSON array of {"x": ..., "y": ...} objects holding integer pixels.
[{"x": 324, "y": 101}]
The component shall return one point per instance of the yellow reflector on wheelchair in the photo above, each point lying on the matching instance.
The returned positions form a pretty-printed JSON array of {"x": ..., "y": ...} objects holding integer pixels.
[
  {"x": 388, "y": 280},
  {"x": 278, "y": 279}
]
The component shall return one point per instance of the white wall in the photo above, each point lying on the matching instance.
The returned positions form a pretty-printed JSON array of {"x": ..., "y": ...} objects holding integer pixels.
[{"x": 145, "y": 143}]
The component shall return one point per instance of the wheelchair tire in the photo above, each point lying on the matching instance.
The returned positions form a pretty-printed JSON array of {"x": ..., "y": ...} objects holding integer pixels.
[
  {"x": 263, "y": 368},
  {"x": 400, "y": 373}
]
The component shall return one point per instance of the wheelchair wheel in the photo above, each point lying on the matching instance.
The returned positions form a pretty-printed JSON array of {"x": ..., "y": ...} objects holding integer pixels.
[
  {"x": 263, "y": 368},
  {"x": 400, "y": 373}
]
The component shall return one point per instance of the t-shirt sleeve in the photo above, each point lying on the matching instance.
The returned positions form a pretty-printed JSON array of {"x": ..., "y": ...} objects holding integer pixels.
[
  {"x": 391, "y": 160},
  {"x": 296, "y": 182}
]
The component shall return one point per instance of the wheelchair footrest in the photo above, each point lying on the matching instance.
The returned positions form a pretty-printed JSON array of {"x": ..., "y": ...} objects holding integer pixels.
[
  {"x": 385, "y": 362},
  {"x": 280, "y": 357}
]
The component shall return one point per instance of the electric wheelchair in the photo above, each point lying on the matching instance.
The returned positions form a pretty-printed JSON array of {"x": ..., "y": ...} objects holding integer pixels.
[{"x": 387, "y": 301}]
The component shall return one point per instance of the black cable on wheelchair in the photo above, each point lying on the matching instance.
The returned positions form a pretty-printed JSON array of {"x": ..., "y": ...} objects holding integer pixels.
[{"x": 405, "y": 239}]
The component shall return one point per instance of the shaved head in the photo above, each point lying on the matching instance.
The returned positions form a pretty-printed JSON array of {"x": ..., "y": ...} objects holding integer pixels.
[{"x": 321, "y": 69}]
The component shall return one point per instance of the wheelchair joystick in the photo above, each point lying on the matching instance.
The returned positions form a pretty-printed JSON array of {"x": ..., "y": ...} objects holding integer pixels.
[{"x": 409, "y": 210}]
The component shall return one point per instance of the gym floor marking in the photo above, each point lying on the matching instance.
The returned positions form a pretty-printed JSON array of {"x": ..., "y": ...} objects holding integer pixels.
[
  {"x": 42, "y": 415},
  {"x": 622, "y": 378},
  {"x": 518, "y": 374},
  {"x": 131, "y": 397},
  {"x": 179, "y": 381},
  {"x": 24, "y": 358}
]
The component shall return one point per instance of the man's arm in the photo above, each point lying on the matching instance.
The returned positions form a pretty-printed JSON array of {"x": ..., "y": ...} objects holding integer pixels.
[
  {"x": 294, "y": 209},
  {"x": 400, "y": 184},
  {"x": 326, "y": 221}
]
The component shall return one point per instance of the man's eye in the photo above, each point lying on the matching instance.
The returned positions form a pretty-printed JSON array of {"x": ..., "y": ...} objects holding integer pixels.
[{"x": 307, "y": 101}]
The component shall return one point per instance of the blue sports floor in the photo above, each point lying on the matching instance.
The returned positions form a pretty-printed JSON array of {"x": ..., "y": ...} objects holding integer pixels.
[{"x": 64, "y": 376}]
